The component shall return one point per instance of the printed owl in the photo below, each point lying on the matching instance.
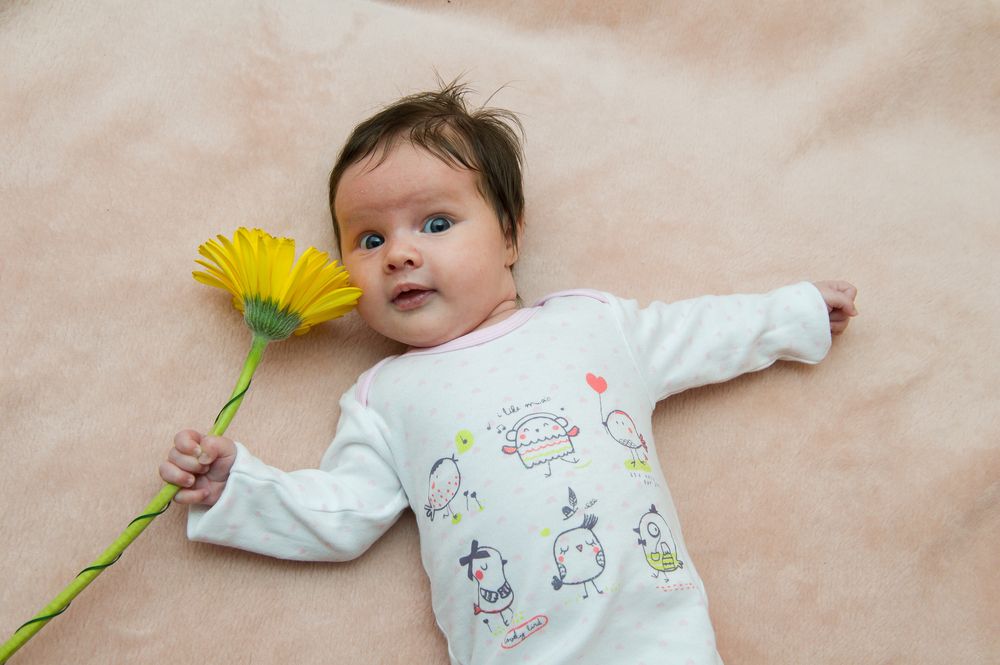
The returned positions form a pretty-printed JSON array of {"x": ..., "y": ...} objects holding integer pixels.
[{"x": 658, "y": 543}]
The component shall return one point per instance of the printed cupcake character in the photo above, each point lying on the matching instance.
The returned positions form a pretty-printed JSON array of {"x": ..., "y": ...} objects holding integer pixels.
[{"x": 542, "y": 438}]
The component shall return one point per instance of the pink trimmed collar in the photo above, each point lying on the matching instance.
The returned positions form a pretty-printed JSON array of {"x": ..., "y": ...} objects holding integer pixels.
[
  {"x": 512, "y": 322},
  {"x": 480, "y": 336}
]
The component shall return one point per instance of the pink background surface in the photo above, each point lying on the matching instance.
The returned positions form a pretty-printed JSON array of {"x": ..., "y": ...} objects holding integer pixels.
[{"x": 846, "y": 512}]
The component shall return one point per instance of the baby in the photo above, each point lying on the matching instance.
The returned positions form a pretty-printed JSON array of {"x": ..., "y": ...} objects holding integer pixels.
[{"x": 500, "y": 419}]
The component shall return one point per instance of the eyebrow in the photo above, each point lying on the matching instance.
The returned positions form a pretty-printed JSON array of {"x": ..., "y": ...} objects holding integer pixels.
[{"x": 440, "y": 200}]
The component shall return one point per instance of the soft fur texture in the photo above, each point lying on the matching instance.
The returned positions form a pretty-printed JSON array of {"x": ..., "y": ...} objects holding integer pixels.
[{"x": 846, "y": 512}]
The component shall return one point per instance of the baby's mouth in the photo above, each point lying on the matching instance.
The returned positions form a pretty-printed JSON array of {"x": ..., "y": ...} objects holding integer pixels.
[{"x": 412, "y": 298}]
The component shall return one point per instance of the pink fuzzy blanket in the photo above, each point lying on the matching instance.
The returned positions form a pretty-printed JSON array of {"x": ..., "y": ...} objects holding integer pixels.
[{"x": 842, "y": 513}]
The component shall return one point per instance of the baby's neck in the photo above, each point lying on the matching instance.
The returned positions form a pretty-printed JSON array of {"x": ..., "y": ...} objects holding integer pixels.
[{"x": 501, "y": 312}]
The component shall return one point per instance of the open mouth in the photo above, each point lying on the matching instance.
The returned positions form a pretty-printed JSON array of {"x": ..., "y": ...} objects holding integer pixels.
[{"x": 412, "y": 298}]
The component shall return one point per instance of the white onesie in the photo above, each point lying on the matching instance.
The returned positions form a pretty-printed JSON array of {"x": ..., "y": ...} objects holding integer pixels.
[{"x": 526, "y": 451}]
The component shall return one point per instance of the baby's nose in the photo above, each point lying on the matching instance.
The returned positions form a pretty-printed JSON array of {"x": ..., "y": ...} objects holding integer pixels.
[{"x": 402, "y": 255}]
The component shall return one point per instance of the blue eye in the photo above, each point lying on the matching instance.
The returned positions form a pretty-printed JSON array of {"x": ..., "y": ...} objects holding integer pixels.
[
  {"x": 371, "y": 241},
  {"x": 437, "y": 225}
]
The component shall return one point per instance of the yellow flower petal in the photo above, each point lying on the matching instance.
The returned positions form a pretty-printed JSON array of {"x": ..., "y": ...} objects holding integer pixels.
[
  {"x": 309, "y": 263},
  {"x": 246, "y": 246},
  {"x": 220, "y": 276},
  {"x": 205, "y": 278},
  {"x": 281, "y": 266},
  {"x": 329, "y": 277}
]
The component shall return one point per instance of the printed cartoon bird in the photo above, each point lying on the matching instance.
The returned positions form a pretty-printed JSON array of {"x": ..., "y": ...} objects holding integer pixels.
[
  {"x": 542, "y": 438},
  {"x": 622, "y": 429},
  {"x": 444, "y": 481},
  {"x": 485, "y": 566},
  {"x": 619, "y": 424},
  {"x": 579, "y": 556},
  {"x": 658, "y": 544}
]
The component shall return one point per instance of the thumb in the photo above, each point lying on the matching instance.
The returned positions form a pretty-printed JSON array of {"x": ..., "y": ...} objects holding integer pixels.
[{"x": 216, "y": 448}]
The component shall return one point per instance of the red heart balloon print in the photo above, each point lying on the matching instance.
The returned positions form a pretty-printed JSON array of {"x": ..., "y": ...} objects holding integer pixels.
[{"x": 597, "y": 383}]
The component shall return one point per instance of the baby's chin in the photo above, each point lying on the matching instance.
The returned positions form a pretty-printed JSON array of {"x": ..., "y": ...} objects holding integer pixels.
[
  {"x": 424, "y": 336},
  {"x": 430, "y": 325},
  {"x": 427, "y": 339}
]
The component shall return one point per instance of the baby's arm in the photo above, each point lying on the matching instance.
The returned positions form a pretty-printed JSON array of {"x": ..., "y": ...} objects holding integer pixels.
[
  {"x": 711, "y": 339},
  {"x": 333, "y": 513},
  {"x": 200, "y": 464}
]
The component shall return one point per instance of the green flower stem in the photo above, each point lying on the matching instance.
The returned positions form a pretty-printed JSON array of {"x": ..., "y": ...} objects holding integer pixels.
[{"x": 156, "y": 507}]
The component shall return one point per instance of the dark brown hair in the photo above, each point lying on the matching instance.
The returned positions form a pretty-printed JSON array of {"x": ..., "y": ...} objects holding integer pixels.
[{"x": 483, "y": 140}]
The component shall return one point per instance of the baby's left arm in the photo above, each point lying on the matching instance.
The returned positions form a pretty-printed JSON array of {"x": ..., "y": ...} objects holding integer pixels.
[
  {"x": 695, "y": 342},
  {"x": 839, "y": 298}
]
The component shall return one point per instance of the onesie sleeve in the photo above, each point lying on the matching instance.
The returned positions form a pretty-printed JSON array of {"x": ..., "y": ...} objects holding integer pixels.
[
  {"x": 333, "y": 513},
  {"x": 706, "y": 340}
]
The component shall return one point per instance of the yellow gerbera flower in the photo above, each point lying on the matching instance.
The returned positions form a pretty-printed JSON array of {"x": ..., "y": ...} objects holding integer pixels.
[{"x": 276, "y": 297}]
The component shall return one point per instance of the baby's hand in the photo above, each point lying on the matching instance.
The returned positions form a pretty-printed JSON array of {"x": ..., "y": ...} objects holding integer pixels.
[
  {"x": 199, "y": 463},
  {"x": 839, "y": 298}
]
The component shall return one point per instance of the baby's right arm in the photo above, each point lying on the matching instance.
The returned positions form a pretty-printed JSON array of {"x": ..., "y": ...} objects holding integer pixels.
[{"x": 199, "y": 463}]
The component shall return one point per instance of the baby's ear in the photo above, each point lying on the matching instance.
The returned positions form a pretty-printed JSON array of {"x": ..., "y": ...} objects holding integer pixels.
[
  {"x": 511, "y": 256},
  {"x": 516, "y": 232}
]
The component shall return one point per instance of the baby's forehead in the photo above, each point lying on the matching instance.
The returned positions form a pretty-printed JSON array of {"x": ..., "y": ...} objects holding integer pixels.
[
  {"x": 413, "y": 157},
  {"x": 405, "y": 174}
]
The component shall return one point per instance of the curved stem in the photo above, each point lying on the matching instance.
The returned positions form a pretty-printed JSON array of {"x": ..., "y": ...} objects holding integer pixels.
[
  {"x": 157, "y": 506},
  {"x": 242, "y": 384}
]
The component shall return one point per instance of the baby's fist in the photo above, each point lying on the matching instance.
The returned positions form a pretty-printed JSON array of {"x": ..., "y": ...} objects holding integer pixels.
[
  {"x": 839, "y": 298},
  {"x": 199, "y": 464}
]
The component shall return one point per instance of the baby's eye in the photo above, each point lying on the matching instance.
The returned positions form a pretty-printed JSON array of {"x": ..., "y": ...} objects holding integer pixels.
[
  {"x": 371, "y": 241},
  {"x": 591, "y": 543},
  {"x": 563, "y": 550},
  {"x": 484, "y": 567},
  {"x": 436, "y": 225}
]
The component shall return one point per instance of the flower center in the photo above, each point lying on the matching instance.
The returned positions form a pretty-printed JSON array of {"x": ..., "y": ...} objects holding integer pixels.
[{"x": 264, "y": 318}]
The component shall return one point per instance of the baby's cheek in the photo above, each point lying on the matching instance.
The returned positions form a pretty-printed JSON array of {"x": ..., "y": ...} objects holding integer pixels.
[
  {"x": 561, "y": 558},
  {"x": 597, "y": 550}
]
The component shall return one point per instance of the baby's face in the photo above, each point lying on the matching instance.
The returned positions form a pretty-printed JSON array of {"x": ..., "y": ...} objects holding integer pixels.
[{"x": 424, "y": 247}]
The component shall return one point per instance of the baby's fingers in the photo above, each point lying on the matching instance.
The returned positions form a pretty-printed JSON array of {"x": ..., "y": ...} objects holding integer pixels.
[
  {"x": 175, "y": 475},
  {"x": 207, "y": 490},
  {"x": 839, "y": 301},
  {"x": 217, "y": 448},
  {"x": 846, "y": 293},
  {"x": 186, "y": 462},
  {"x": 188, "y": 442},
  {"x": 838, "y": 321}
]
